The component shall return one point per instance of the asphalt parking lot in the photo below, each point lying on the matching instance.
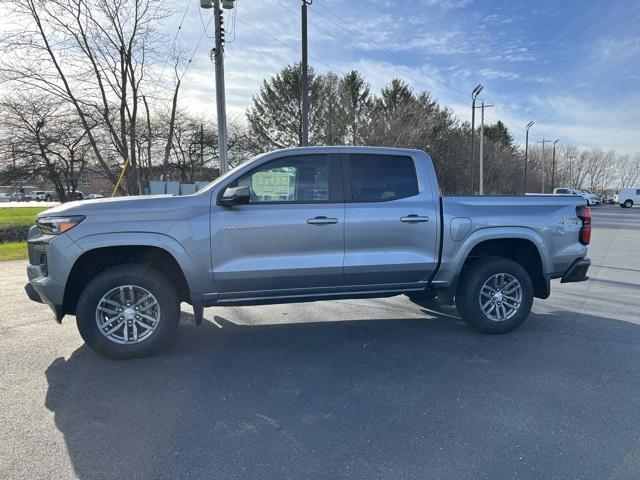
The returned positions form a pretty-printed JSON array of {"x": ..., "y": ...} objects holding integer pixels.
[{"x": 352, "y": 389}]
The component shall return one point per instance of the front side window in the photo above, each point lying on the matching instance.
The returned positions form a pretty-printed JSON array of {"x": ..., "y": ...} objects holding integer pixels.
[
  {"x": 382, "y": 178},
  {"x": 638, "y": 192},
  {"x": 300, "y": 179}
]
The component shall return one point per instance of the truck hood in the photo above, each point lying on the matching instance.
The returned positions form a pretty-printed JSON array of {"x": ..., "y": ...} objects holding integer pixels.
[{"x": 110, "y": 205}]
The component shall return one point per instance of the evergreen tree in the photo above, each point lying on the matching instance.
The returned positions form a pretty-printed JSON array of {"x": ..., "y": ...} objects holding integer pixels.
[
  {"x": 275, "y": 119},
  {"x": 356, "y": 102}
]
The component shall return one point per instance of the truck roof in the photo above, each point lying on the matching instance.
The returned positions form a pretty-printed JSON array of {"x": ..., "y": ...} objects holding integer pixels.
[{"x": 350, "y": 149}]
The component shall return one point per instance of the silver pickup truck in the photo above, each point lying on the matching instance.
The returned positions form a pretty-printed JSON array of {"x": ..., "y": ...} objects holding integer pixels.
[{"x": 301, "y": 225}]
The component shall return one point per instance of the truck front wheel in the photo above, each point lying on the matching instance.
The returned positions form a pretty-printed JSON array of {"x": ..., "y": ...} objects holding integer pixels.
[
  {"x": 128, "y": 311},
  {"x": 494, "y": 295}
]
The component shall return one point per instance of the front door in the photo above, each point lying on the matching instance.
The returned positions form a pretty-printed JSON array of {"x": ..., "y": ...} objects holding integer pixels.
[
  {"x": 391, "y": 222},
  {"x": 290, "y": 238}
]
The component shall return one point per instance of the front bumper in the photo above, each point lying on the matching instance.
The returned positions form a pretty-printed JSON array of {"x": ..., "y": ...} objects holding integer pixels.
[
  {"x": 48, "y": 269},
  {"x": 577, "y": 272}
]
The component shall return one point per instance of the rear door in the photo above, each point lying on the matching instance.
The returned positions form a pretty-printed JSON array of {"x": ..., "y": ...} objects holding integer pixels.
[
  {"x": 390, "y": 221},
  {"x": 291, "y": 235}
]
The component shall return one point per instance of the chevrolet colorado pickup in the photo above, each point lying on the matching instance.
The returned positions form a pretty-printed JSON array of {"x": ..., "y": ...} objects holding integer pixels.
[{"x": 296, "y": 225}]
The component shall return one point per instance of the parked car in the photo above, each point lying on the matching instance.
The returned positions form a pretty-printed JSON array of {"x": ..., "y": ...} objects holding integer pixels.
[
  {"x": 590, "y": 198},
  {"x": 73, "y": 196},
  {"x": 4, "y": 198},
  {"x": 628, "y": 197},
  {"x": 93, "y": 196},
  {"x": 22, "y": 197},
  {"x": 594, "y": 197},
  {"x": 301, "y": 225},
  {"x": 43, "y": 196}
]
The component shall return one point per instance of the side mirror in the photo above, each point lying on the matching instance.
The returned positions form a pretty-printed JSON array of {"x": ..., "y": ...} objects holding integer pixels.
[{"x": 235, "y": 196}]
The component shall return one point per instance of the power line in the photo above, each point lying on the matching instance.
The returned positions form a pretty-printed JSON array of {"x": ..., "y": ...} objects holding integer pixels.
[
  {"x": 349, "y": 26},
  {"x": 292, "y": 47},
  {"x": 340, "y": 39},
  {"x": 175, "y": 39},
  {"x": 346, "y": 40},
  {"x": 195, "y": 50}
]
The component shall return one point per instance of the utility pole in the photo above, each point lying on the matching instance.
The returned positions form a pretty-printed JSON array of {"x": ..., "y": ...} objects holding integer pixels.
[
  {"x": 482, "y": 148},
  {"x": 474, "y": 94},
  {"x": 305, "y": 75},
  {"x": 221, "y": 102},
  {"x": 526, "y": 157},
  {"x": 553, "y": 166}
]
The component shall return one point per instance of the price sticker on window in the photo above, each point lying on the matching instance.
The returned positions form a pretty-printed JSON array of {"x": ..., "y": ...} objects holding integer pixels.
[{"x": 272, "y": 184}]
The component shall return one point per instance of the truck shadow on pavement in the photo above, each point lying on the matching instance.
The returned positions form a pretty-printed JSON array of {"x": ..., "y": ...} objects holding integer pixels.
[{"x": 396, "y": 398}]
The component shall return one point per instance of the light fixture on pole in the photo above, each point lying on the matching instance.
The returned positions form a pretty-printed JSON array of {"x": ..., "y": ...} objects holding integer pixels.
[
  {"x": 474, "y": 94},
  {"x": 526, "y": 157}
]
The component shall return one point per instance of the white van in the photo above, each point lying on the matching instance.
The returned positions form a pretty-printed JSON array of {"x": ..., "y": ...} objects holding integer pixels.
[{"x": 628, "y": 197}]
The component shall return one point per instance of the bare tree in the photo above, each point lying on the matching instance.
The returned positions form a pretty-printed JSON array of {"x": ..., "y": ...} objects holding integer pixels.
[
  {"x": 45, "y": 138},
  {"x": 93, "y": 54}
]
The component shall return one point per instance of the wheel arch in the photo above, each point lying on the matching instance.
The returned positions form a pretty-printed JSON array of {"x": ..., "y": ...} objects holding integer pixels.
[
  {"x": 99, "y": 258},
  {"x": 522, "y": 248}
]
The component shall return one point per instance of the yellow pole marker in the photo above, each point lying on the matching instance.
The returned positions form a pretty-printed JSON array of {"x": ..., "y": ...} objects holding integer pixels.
[{"x": 124, "y": 170}]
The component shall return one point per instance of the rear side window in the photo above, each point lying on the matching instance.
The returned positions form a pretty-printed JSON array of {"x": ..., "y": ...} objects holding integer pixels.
[
  {"x": 563, "y": 191},
  {"x": 382, "y": 178}
]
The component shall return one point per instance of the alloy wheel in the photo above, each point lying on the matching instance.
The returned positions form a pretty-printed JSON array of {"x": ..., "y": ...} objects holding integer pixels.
[
  {"x": 128, "y": 314},
  {"x": 500, "y": 297}
]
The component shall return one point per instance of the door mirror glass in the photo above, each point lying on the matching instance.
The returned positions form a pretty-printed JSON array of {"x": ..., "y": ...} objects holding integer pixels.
[{"x": 236, "y": 196}]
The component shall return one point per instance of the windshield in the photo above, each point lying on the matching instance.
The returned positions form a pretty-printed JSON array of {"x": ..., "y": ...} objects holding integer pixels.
[{"x": 231, "y": 172}]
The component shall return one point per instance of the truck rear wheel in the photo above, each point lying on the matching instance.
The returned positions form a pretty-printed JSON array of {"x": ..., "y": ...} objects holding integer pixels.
[
  {"x": 494, "y": 295},
  {"x": 628, "y": 204},
  {"x": 129, "y": 311}
]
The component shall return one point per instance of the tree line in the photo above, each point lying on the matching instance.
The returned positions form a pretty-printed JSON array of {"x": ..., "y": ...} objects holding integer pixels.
[{"x": 84, "y": 94}]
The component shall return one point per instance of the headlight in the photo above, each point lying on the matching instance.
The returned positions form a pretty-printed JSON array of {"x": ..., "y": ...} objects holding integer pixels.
[{"x": 58, "y": 225}]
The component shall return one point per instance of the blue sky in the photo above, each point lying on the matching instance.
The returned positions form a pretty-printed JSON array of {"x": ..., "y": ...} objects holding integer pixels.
[{"x": 571, "y": 66}]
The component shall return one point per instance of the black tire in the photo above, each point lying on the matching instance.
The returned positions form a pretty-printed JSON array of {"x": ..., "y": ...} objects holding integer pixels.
[
  {"x": 152, "y": 281},
  {"x": 468, "y": 294},
  {"x": 628, "y": 203}
]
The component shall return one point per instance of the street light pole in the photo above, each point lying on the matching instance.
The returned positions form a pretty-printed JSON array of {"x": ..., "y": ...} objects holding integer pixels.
[
  {"x": 482, "y": 148},
  {"x": 526, "y": 157},
  {"x": 553, "y": 166},
  {"x": 474, "y": 94},
  {"x": 305, "y": 75}
]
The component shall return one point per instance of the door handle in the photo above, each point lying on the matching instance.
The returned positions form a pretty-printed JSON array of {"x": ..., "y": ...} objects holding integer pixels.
[
  {"x": 322, "y": 221},
  {"x": 414, "y": 219}
]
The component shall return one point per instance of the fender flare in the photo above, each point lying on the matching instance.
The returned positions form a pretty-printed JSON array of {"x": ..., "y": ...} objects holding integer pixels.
[
  {"x": 145, "y": 239},
  {"x": 501, "y": 233}
]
